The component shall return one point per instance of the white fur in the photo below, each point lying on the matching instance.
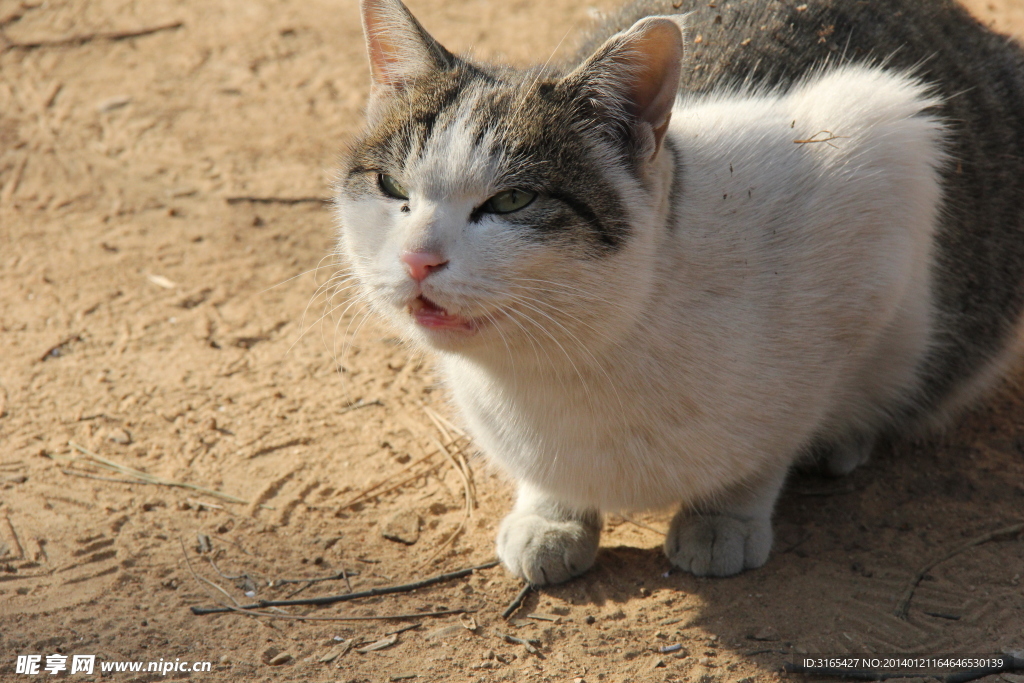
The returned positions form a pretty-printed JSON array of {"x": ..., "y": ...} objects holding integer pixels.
[
  {"x": 799, "y": 308},
  {"x": 789, "y": 298}
]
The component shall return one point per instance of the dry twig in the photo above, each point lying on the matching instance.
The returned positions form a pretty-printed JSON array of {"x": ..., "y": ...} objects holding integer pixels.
[
  {"x": 466, "y": 486},
  {"x": 441, "y": 423},
  {"x": 342, "y": 575},
  {"x": 19, "y": 551},
  {"x": 434, "y": 415},
  {"x": 372, "y": 592},
  {"x": 904, "y": 604},
  {"x": 359, "y": 404},
  {"x": 96, "y": 477},
  {"x": 371, "y": 491},
  {"x": 202, "y": 578},
  {"x": 643, "y": 525},
  {"x": 288, "y": 201},
  {"x": 143, "y": 477},
  {"x": 461, "y": 466},
  {"x": 74, "y": 41},
  {"x": 517, "y": 601},
  {"x": 441, "y": 548},
  {"x": 828, "y": 140},
  {"x": 530, "y": 645},
  {"x": 301, "y": 617}
]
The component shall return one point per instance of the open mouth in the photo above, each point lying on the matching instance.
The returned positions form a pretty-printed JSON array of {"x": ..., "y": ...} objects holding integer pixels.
[{"x": 430, "y": 315}]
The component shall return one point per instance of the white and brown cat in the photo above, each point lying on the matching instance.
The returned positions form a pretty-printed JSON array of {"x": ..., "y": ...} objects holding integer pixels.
[{"x": 663, "y": 273}]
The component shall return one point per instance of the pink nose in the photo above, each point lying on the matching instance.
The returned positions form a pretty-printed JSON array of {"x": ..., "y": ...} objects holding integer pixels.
[{"x": 421, "y": 263}]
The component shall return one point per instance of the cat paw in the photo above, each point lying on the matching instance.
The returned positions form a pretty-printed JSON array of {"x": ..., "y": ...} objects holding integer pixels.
[
  {"x": 543, "y": 550},
  {"x": 839, "y": 459},
  {"x": 717, "y": 545}
]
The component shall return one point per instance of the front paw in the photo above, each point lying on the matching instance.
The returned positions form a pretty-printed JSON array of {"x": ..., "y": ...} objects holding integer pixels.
[
  {"x": 717, "y": 545},
  {"x": 543, "y": 550}
]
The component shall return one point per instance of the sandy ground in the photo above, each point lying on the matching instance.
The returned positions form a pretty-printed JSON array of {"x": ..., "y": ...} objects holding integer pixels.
[{"x": 152, "y": 317}]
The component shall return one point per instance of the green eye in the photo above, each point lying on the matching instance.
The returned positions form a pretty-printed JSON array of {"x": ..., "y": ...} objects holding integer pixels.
[
  {"x": 391, "y": 187},
  {"x": 509, "y": 201}
]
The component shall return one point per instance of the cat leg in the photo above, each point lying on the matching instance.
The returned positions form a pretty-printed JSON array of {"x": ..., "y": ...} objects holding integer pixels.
[
  {"x": 839, "y": 458},
  {"x": 843, "y": 458},
  {"x": 731, "y": 534},
  {"x": 545, "y": 541}
]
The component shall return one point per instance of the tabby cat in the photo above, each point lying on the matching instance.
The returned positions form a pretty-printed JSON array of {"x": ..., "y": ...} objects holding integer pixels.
[{"x": 726, "y": 237}]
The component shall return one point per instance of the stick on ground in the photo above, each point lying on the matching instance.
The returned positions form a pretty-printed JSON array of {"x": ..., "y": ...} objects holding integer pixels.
[
  {"x": 517, "y": 601},
  {"x": 278, "y": 200},
  {"x": 144, "y": 477},
  {"x": 74, "y": 41},
  {"x": 301, "y": 617},
  {"x": 19, "y": 552},
  {"x": 369, "y": 492},
  {"x": 904, "y": 604},
  {"x": 332, "y": 599},
  {"x": 530, "y": 645},
  {"x": 340, "y": 576}
]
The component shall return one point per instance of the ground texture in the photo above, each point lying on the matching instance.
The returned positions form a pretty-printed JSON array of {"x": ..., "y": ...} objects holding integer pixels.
[{"x": 154, "y": 315}]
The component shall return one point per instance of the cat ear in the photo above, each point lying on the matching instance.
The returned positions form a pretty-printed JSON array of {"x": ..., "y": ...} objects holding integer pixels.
[
  {"x": 400, "y": 49},
  {"x": 633, "y": 78}
]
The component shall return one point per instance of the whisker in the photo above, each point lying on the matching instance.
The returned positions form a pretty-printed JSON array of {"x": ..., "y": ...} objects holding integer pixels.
[
  {"x": 583, "y": 381},
  {"x": 595, "y": 362},
  {"x": 327, "y": 303},
  {"x": 305, "y": 272}
]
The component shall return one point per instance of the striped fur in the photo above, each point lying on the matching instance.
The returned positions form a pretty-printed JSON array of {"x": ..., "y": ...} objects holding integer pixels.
[{"x": 820, "y": 241}]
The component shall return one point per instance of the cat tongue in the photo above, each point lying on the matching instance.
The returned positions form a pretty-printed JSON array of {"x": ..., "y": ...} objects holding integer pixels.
[{"x": 429, "y": 314}]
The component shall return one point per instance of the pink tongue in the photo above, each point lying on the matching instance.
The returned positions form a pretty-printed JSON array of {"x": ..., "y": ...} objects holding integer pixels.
[{"x": 430, "y": 315}]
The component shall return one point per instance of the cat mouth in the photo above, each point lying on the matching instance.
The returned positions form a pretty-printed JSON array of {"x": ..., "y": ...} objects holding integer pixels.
[{"x": 431, "y": 316}]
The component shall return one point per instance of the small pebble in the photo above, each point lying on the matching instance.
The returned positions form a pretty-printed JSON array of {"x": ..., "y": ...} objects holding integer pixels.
[
  {"x": 112, "y": 103},
  {"x": 403, "y": 527},
  {"x": 766, "y": 633},
  {"x": 280, "y": 659},
  {"x": 445, "y": 632},
  {"x": 487, "y": 664},
  {"x": 120, "y": 436}
]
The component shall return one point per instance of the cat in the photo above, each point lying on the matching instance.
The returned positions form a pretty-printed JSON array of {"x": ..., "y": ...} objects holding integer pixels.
[{"x": 725, "y": 238}]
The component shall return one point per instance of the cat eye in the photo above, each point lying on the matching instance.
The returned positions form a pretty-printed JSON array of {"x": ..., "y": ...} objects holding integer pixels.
[
  {"x": 391, "y": 187},
  {"x": 509, "y": 201}
]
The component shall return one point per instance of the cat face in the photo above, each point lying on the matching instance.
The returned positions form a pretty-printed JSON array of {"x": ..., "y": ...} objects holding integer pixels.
[{"x": 485, "y": 208}]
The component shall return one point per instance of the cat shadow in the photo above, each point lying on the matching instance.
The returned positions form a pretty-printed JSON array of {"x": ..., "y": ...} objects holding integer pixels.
[{"x": 846, "y": 552}]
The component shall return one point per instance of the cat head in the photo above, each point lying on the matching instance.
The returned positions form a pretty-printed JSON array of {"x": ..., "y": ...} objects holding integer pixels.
[{"x": 485, "y": 208}]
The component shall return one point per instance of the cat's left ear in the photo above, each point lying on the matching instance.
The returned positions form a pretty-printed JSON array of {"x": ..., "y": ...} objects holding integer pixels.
[
  {"x": 632, "y": 79},
  {"x": 400, "y": 49}
]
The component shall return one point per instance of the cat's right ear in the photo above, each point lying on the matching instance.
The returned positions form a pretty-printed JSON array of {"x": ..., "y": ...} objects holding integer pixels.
[
  {"x": 400, "y": 49},
  {"x": 631, "y": 81}
]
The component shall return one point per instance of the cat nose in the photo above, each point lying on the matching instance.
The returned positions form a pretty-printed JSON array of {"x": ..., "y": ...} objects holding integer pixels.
[{"x": 420, "y": 264}]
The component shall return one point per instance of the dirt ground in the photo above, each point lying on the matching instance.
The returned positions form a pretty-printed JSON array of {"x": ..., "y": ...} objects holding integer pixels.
[{"x": 157, "y": 317}]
